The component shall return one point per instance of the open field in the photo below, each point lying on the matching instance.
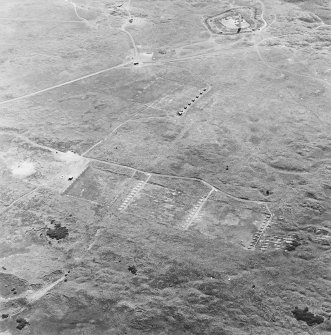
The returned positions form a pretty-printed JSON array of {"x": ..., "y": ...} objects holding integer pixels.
[{"x": 162, "y": 172}]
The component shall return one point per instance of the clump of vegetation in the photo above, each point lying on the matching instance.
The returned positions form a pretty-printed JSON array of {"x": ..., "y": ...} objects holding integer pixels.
[
  {"x": 133, "y": 269},
  {"x": 21, "y": 323},
  {"x": 58, "y": 232},
  {"x": 308, "y": 317}
]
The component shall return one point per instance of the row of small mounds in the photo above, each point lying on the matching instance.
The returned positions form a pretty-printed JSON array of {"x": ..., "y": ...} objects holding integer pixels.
[
  {"x": 192, "y": 101},
  {"x": 291, "y": 246}
]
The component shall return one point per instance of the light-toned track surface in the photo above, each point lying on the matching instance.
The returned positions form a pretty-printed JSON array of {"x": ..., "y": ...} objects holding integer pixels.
[
  {"x": 13, "y": 203},
  {"x": 131, "y": 119},
  {"x": 127, "y": 7},
  {"x": 38, "y": 20},
  {"x": 76, "y": 13},
  {"x": 31, "y": 296},
  {"x": 64, "y": 84},
  {"x": 36, "y": 295}
]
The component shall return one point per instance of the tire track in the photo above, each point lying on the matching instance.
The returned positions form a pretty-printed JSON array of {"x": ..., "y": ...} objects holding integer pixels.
[
  {"x": 18, "y": 199},
  {"x": 64, "y": 84}
]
